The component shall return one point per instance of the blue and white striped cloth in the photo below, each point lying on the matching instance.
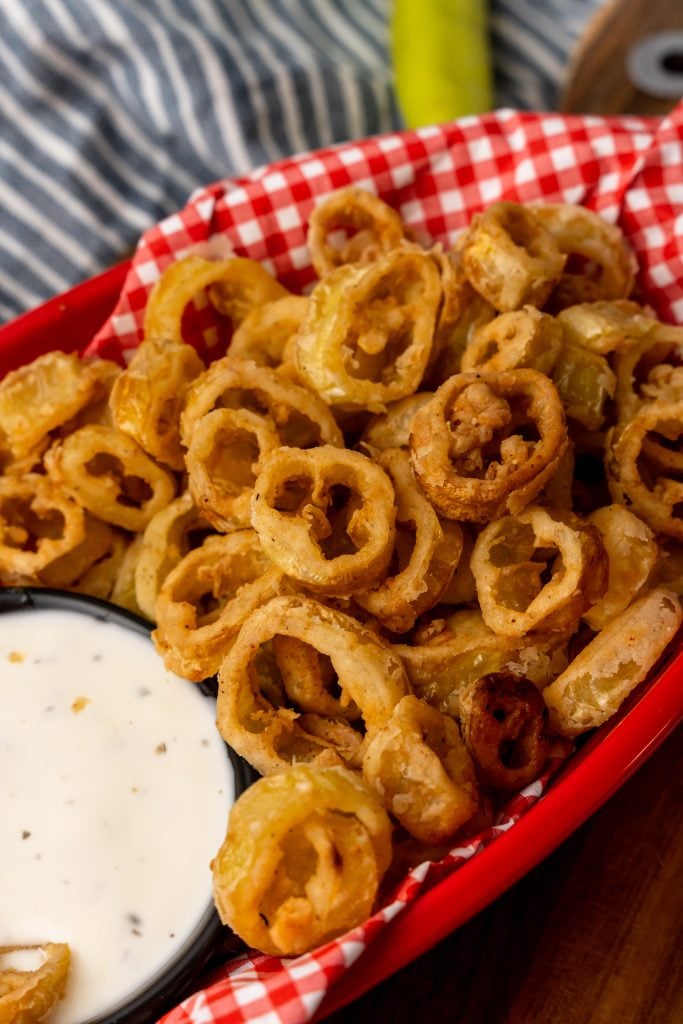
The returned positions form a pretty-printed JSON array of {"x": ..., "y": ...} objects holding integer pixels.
[{"x": 113, "y": 111}]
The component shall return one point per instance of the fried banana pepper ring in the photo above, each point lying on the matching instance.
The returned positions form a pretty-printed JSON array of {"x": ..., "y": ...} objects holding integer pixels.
[
  {"x": 302, "y": 860},
  {"x": 300, "y": 418},
  {"x": 391, "y": 429},
  {"x": 420, "y": 768},
  {"x": 512, "y": 557},
  {"x": 326, "y": 516},
  {"x": 27, "y": 996},
  {"x": 368, "y": 333},
  {"x": 374, "y": 229},
  {"x": 635, "y": 478},
  {"x": 450, "y": 653},
  {"x": 165, "y": 542},
  {"x": 226, "y": 454},
  {"x": 236, "y": 286},
  {"x": 44, "y": 395},
  {"x": 632, "y": 552},
  {"x": 510, "y": 258},
  {"x": 369, "y": 673},
  {"x": 39, "y": 526},
  {"x": 308, "y": 678},
  {"x": 504, "y": 722},
  {"x": 650, "y": 369},
  {"x": 461, "y": 312},
  {"x": 600, "y": 265},
  {"x": 426, "y": 552},
  {"x": 524, "y": 338},
  {"x": 147, "y": 398},
  {"x": 619, "y": 658},
  {"x": 584, "y": 382},
  {"x": 205, "y": 599},
  {"x": 111, "y": 476},
  {"x": 605, "y": 327},
  {"x": 267, "y": 333},
  {"x": 469, "y": 447}
]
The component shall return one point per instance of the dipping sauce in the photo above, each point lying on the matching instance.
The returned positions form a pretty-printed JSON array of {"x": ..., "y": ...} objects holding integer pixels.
[{"x": 115, "y": 793}]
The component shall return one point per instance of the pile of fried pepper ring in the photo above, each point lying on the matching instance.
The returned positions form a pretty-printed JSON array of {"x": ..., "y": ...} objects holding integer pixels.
[{"x": 418, "y": 522}]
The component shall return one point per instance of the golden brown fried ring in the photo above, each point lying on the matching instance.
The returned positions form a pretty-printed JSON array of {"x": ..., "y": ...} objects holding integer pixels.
[
  {"x": 391, "y": 429},
  {"x": 267, "y": 333},
  {"x": 650, "y": 369},
  {"x": 450, "y": 653},
  {"x": 368, "y": 333},
  {"x": 373, "y": 229},
  {"x": 300, "y": 418},
  {"x": 461, "y": 312},
  {"x": 271, "y": 736},
  {"x": 236, "y": 286},
  {"x": 418, "y": 765},
  {"x": 147, "y": 398},
  {"x": 166, "y": 541},
  {"x": 604, "y": 673},
  {"x": 39, "y": 397},
  {"x": 510, "y": 258},
  {"x": 606, "y": 265},
  {"x": 504, "y": 724},
  {"x": 654, "y": 491},
  {"x": 584, "y": 382},
  {"x": 426, "y": 552},
  {"x": 39, "y": 524},
  {"x": 205, "y": 599},
  {"x": 326, "y": 517},
  {"x": 524, "y": 338},
  {"x": 605, "y": 327},
  {"x": 469, "y": 447},
  {"x": 462, "y": 588},
  {"x": 226, "y": 454},
  {"x": 632, "y": 552},
  {"x": 99, "y": 579},
  {"x": 69, "y": 568},
  {"x": 27, "y": 996},
  {"x": 123, "y": 592},
  {"x": 308, "y": 679},
  {"x": 512, "y": 559},
  {"x": 111, "y": 476},
  {"x": 302, "y": 860}
]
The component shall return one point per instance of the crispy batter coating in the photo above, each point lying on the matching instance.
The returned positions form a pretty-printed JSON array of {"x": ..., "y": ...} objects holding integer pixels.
[
  {"x": 368, "y": 333},
  {"x": 418, "y": 765},
  {"x": 205, "y": 599},
  {"x": 27, "y": 996},
  {"x": 326, "y": 517},
  {"x": 302, "y": 860},
  {"x": 147, "y": 398},
  {"x": 504, "y": 722},
  {"x": 372, "y": 229},
  {"x": 647, "y": 478},
  {"x": 252, "y": 712},
  {"x": 426, "y": 553},
  {"x": 510, "y": 258},
  {"x": 469, "y": 443},
  {"x": 538, "y": 571},
  {"x": 603, "y": 674}
]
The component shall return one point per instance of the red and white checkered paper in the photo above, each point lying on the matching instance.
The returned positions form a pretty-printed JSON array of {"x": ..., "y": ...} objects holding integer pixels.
[{"x": 629, "y": 170}]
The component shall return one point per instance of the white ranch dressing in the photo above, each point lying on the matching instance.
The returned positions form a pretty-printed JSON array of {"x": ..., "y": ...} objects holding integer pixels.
[{"x": 114, "y": 794}]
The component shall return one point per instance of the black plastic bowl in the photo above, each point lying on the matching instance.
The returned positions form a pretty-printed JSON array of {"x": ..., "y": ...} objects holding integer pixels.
[{"x": 174, "y": 981}]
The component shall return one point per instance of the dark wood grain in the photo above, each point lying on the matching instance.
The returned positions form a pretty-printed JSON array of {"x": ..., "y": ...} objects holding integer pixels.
[
  {"x": 591, "y": 936},
  {"x": 597, "y": 81}
]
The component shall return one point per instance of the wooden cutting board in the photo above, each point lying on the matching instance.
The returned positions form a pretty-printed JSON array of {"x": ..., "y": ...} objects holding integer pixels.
[{"x": 599, "y": 81}]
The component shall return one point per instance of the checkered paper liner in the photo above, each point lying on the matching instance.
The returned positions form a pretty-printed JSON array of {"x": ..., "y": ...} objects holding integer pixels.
[
  {"x": 629, "y": 170},
  {"x": 626, "y": 169}
]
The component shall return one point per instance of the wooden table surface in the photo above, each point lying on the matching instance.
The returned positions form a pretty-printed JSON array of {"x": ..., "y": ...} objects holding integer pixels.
[{"x": 593, "y": 935}]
